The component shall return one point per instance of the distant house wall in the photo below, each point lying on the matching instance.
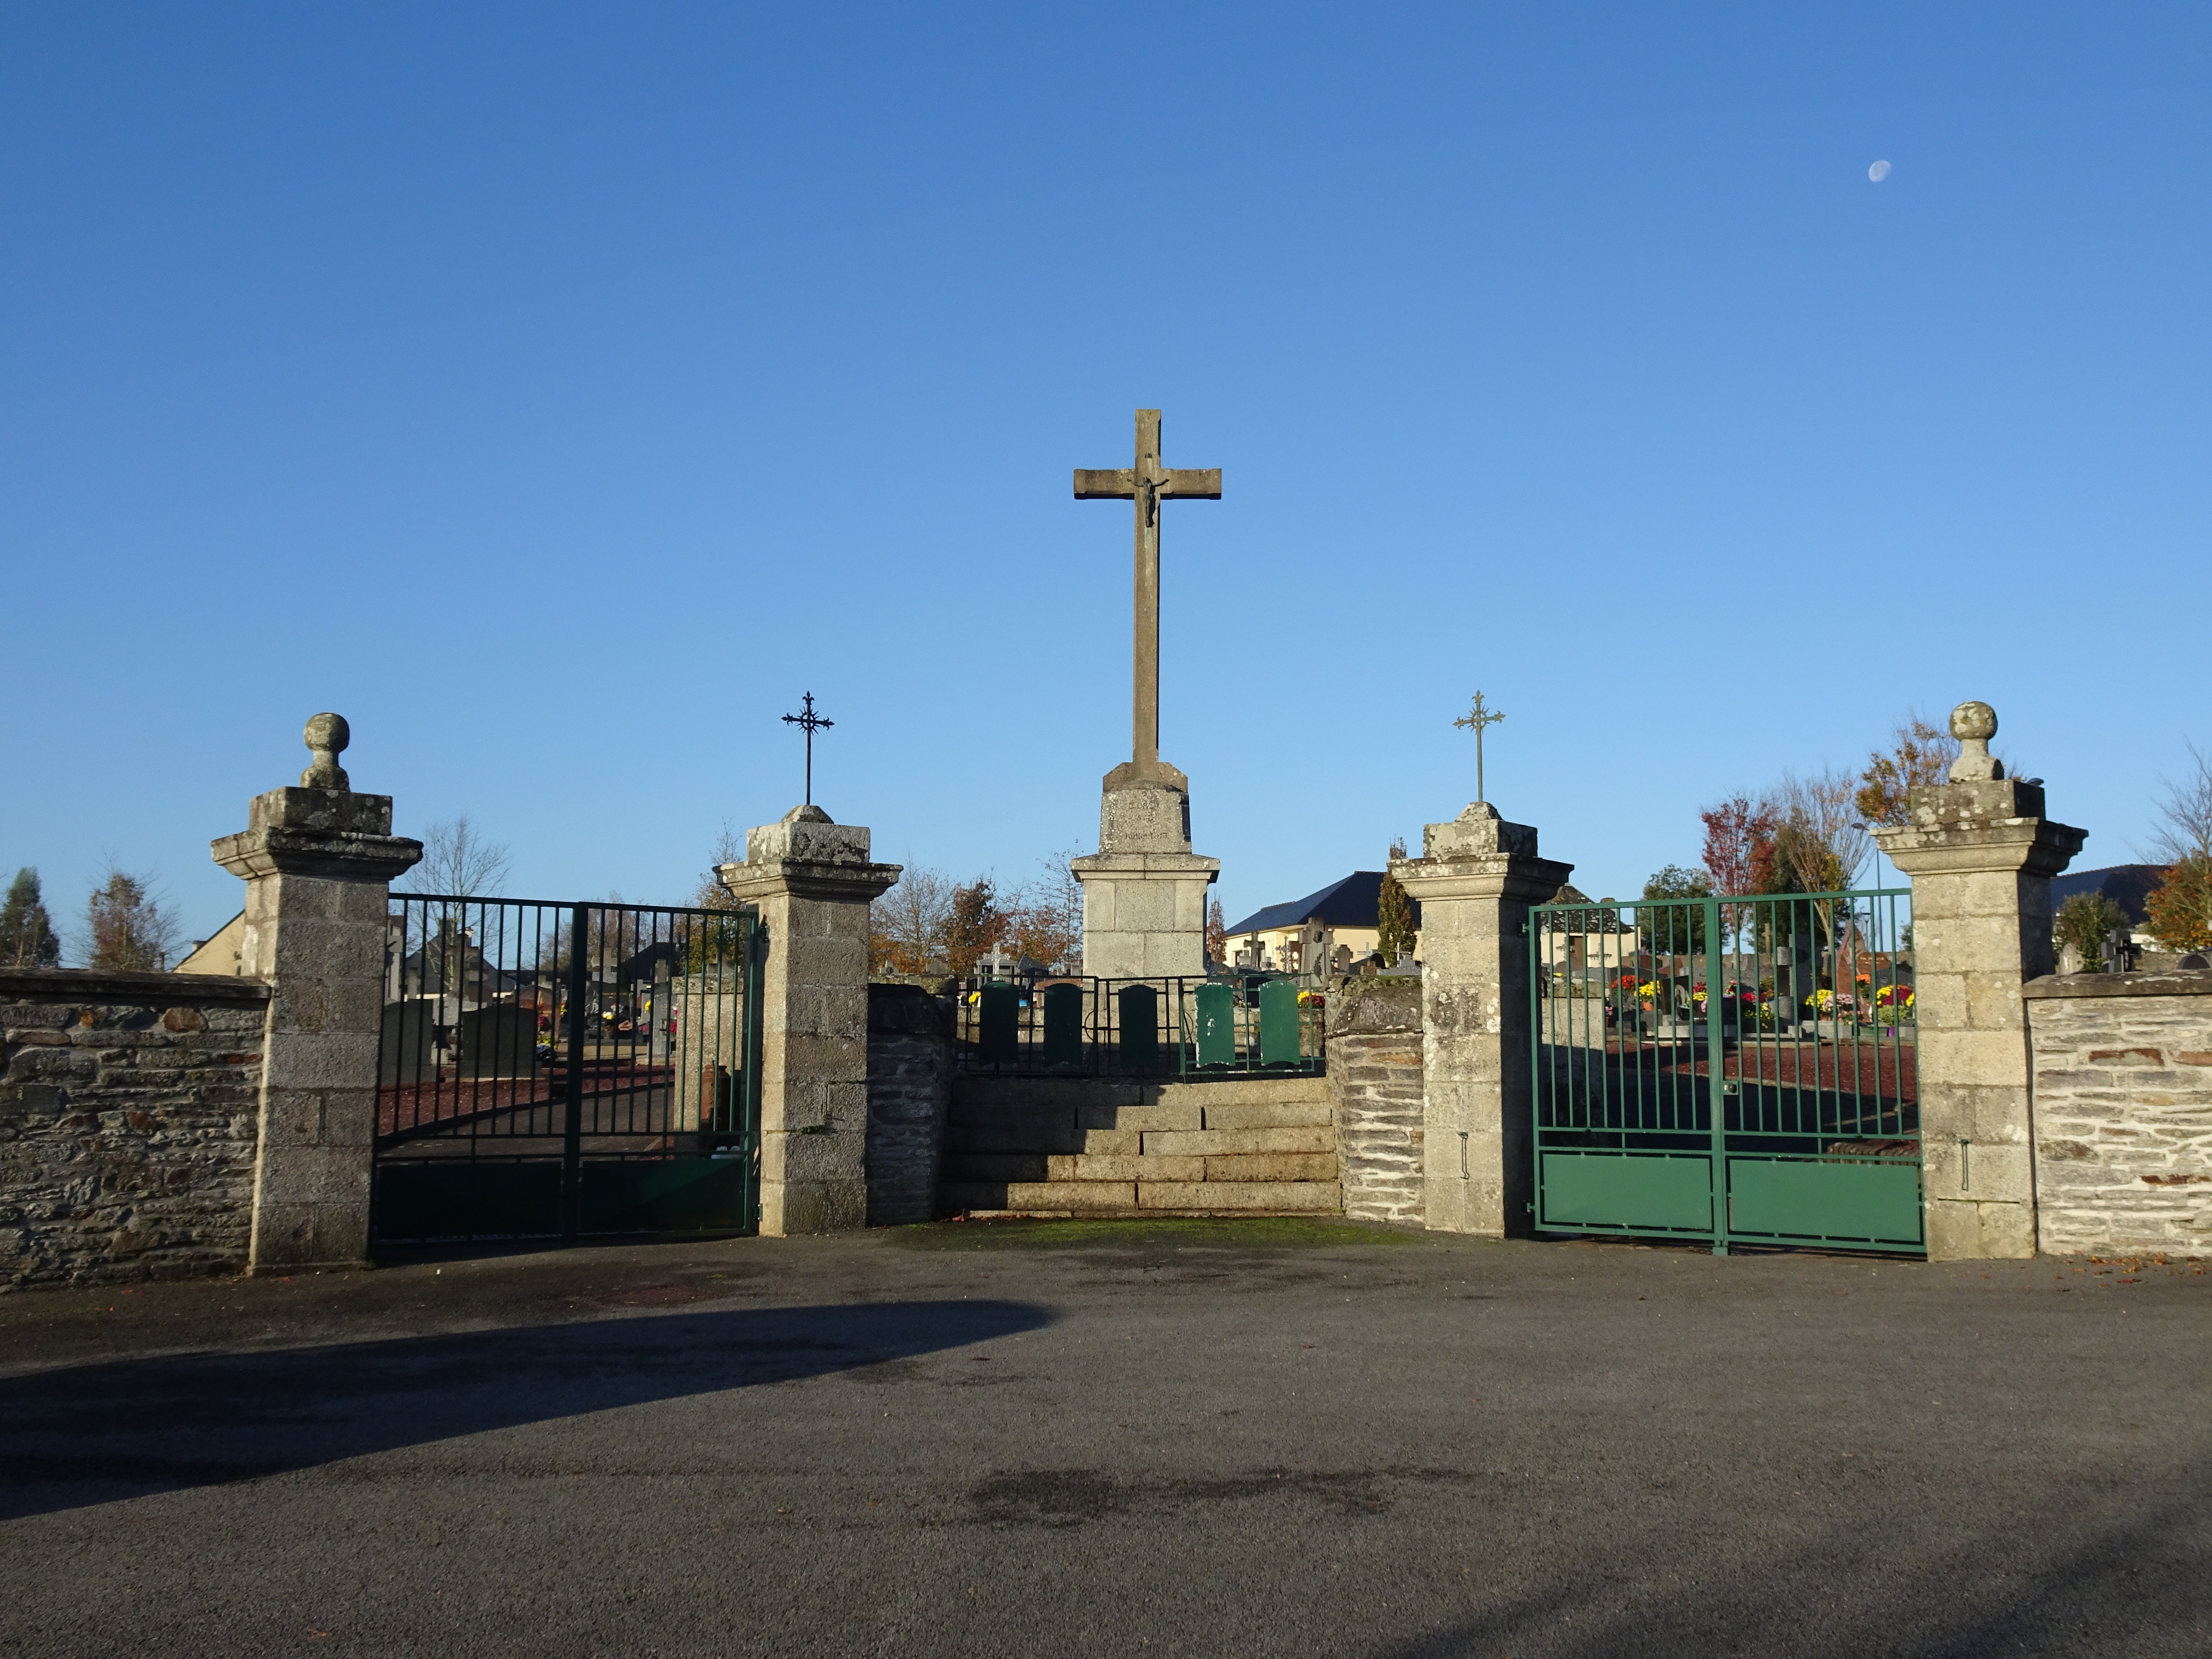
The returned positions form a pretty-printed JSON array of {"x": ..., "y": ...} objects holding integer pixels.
[
  {"x": 223, "y": 954},
  {"x": 129, "y": 1124},
  {"x": 1280, "y": 943}
]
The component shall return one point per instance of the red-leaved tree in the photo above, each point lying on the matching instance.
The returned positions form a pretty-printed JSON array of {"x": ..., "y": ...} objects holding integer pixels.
[{"x": 1739, "y": 855}]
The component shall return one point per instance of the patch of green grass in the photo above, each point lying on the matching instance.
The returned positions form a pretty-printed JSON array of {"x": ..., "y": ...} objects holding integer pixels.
[{"x": 1171, "y": 1232}]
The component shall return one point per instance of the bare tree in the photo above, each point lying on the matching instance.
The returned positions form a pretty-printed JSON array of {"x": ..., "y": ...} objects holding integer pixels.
[
  {"x": 907, "y": 926},
  {"x": 710, "y": 893},
  {"x": 458, "y": 862},
  {"x": 126, "y": 931},
  {"x": 1822, "y": 839},
  {"x": 2185, "y": 816}
]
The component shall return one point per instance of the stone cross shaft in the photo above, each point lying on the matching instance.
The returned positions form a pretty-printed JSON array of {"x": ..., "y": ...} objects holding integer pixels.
[{"x": 1147, "y": 483}]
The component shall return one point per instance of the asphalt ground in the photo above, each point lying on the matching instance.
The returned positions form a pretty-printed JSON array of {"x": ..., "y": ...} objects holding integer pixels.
[{"x": 1178, "y": 1438}]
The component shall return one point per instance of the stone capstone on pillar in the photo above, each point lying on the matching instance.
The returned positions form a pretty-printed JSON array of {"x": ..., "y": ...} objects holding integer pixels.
[
  {"x": 1980, "y": 854},
  {"x": 813, "y": 881},
  {"x": 1475, "y": 880},
  {"x": 317, "y": 861}
]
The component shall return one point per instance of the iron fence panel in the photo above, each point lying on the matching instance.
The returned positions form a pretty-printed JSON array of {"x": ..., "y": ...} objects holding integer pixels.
[
  {"x": 1187, "y": 1028},
  {"x": 1737, "y": 1067},
  {"x": 563, "y": 1069}
]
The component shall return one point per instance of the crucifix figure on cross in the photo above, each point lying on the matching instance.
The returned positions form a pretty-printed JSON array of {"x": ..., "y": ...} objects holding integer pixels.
[{"x": 1147, "y": 484}]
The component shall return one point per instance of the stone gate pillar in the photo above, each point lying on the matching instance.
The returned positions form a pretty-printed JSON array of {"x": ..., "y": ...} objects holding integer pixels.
[
  {"x": 1475, "y": 879},
  {"x": 813, "y": 881},
  {"x": 1981, "y": 856},
  {"x": 316, "y": 862}
]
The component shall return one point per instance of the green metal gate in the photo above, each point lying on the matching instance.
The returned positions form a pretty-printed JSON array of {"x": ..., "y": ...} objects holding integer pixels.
[
  {"x": 563, "y": 1071},
  {"x": 1737, "y": 1069}
]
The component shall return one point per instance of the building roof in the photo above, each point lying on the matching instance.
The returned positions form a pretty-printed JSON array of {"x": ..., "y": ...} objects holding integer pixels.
[
  {"x": 2126, "y": 884},
  {"x": 1351, "y": 902}
]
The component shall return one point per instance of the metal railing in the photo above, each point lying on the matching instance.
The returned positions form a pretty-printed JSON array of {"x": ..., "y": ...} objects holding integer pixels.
[
  {"x": 1702, "y": 1066},
  {"x": 553, "y": 1040},
  {"x": 1187, "y": 1027}
]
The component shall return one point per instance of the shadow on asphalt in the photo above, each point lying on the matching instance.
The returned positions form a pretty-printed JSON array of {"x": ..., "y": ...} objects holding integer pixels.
[{"x": 92, "y": 1434}]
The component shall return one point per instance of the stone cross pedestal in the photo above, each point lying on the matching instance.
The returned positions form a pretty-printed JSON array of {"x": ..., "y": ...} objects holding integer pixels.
[
  {"x": 317, "y": 861},
  {"x": 812, "y": 880},
  {"x": 1143, "y": 891},
  {"x": 1981, "y": 855},
  {"x": 1476, "y": 878},
  {"x": 1144, "y": 894}
]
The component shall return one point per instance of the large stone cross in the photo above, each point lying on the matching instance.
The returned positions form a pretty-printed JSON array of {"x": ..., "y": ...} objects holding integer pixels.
[{"x": 1147, "y": 483}]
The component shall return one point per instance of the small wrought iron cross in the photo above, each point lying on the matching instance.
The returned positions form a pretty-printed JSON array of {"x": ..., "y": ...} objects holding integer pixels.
[
  {"x": 1478, "y": 717},
  {"x": 810, "y": 722}
]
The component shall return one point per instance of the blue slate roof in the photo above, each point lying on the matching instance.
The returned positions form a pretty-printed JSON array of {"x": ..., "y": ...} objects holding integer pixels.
[
  {"x": 2126, "y": 884},
  {"x": 1351, "y": 901}
]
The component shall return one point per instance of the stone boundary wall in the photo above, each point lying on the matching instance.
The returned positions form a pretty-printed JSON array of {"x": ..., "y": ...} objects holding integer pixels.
[
  {"x": 909, "y": 1090},
  {"x": 2123, "y": 1092},
  {"x": 1375, "y": 1084},
  {"x": 129, "y": 1124}
]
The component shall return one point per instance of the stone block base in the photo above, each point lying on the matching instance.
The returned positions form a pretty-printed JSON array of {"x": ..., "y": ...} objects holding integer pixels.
[{"x": 1083, "y": 1146}]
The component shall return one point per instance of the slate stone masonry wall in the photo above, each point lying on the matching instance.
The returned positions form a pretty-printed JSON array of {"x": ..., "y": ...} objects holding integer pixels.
[
  {"x": 129, "y": 1107},
  {"x": 2122, "y": 1091},
  {"x": 910, "y": 1089},
  {"x": 1375, "y": 1083}
]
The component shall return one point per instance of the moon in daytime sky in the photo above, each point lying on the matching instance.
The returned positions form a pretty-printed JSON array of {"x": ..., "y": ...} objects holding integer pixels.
[{"x": 1878, "y": 172}]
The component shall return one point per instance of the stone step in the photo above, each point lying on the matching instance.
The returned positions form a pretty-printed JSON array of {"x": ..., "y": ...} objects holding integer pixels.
[
  {"x": 1256, "y": 1166},
  {"x": 1324, "y": 1195},
  {"x": 967, "y": 1167},
  {"x": 1009, "y": 1138},
  {"x": 1225, "y": 1143},
  {"x": 1245, "y": 1091},
  {"x": 1076, "y": 1196},
  {"x": 1280, "y": 1115},
  {"x": 1086, "y": 1168}
]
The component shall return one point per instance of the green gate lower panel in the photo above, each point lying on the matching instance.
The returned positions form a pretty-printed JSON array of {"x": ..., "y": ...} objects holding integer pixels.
[
  {"x": 1138, "y": 1018},
  {"x": 999, "y": 1022},
  {"x": 663, "y": 1195},
  {"x": 1812, "y": 1197},
  {"x": 1063, "y": 1025},
  {"x": 1636, "y": 1193},
  {"x": 456, "y": 1198},
  {"x": 1278, "y": 1023},
  {"x": 1217, "y": 1025}
]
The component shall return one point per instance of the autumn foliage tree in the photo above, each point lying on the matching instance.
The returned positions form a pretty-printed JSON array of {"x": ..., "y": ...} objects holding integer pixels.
[
  {"x": 2180, "y": 908},
  {"x": 1738, "y": 854},
  {"x": 1918, "y": 754},
  {"x": 974, "y": 925}
]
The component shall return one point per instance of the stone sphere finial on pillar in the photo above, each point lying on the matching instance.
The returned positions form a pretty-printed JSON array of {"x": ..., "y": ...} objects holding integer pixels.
[
  {"x": 1974, "y": 724},
  {"x": 326, "y": 736}
]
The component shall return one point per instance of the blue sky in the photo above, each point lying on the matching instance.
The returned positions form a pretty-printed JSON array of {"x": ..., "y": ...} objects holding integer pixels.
[{"x": 560, "y": 391}]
